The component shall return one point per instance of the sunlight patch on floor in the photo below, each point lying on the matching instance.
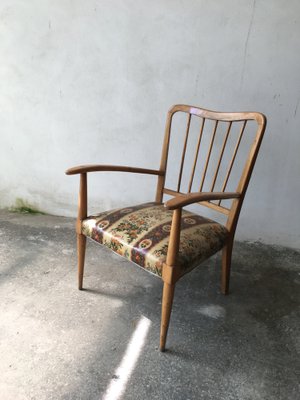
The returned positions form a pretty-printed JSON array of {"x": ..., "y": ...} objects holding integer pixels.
[
  {"x": 212, "y": 311},
  {"x": 122, "y": 374}
]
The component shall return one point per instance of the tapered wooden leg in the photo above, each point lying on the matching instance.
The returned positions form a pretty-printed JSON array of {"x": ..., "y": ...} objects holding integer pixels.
[
  {"x": 226, "y": 264},
  {"x": 81, "y": 244},
  {"x": 167, "y": 301}
]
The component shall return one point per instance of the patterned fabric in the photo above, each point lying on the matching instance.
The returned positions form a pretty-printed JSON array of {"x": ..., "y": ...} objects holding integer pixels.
[{"x": 141, "y": 234}]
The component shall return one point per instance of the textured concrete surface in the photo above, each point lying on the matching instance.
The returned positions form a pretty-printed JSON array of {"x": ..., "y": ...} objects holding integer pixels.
[{"x": 59, "y": 343}]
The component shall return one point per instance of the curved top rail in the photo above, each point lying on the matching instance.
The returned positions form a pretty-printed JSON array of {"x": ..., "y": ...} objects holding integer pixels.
[{"x": 221, "y": 116}]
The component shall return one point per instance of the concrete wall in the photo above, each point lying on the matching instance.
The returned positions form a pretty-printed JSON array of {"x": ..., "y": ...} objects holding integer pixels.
[{"x": 91, "y": 81}]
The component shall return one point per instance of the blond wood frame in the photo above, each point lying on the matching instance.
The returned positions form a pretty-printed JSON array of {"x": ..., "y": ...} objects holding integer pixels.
[{"x": 170, "y": 273}]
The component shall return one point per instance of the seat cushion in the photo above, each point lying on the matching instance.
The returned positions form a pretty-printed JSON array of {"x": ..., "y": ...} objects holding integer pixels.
[{"x": 141, "y": 234}]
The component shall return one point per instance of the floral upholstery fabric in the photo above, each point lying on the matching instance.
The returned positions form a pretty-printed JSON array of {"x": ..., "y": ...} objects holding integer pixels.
[{"x": 141, "y": 234}]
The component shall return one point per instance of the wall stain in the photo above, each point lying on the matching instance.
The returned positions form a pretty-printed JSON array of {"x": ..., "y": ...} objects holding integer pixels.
[
  {"x": 196, "y": 84},
  {"x": 296, "y": 108},
  {"x": 23, "y": 207},
  {"x": 247, "y": 41}
]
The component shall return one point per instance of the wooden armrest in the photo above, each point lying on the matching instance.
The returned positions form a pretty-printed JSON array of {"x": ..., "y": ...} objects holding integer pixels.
[
  {"x": 81, "y": 169},
  {"x": 190, "y": 198}
]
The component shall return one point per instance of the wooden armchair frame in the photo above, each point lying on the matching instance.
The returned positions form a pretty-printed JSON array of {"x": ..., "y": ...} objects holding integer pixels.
[{"x": 170, "y": 272}]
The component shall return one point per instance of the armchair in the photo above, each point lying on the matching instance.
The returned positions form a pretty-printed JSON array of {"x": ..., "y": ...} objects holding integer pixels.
[{"x": 162, "y": 237}]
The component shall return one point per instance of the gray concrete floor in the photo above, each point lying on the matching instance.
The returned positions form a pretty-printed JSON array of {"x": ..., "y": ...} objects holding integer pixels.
[{"x": 60, "y": 343}]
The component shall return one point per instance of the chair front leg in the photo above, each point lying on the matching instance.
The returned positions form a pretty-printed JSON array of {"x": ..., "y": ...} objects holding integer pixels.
[
  {"x": 81, "y": 239},
  {"x": 167, "y": 302},
  {"x": 170, "y": 276},
  {"x": 81, "y": 246}
]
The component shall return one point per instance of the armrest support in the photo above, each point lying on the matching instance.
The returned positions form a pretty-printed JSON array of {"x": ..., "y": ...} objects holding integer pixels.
[
  {"x": 80, "y": 169},
  {"x": 190, "y": 198}
]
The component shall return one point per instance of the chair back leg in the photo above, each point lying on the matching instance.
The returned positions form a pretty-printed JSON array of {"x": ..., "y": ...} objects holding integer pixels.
[{"x": 226, "y": 264}]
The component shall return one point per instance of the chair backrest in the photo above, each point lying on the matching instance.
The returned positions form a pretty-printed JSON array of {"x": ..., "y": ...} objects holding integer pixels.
[{"x": 211, "y": 153}]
